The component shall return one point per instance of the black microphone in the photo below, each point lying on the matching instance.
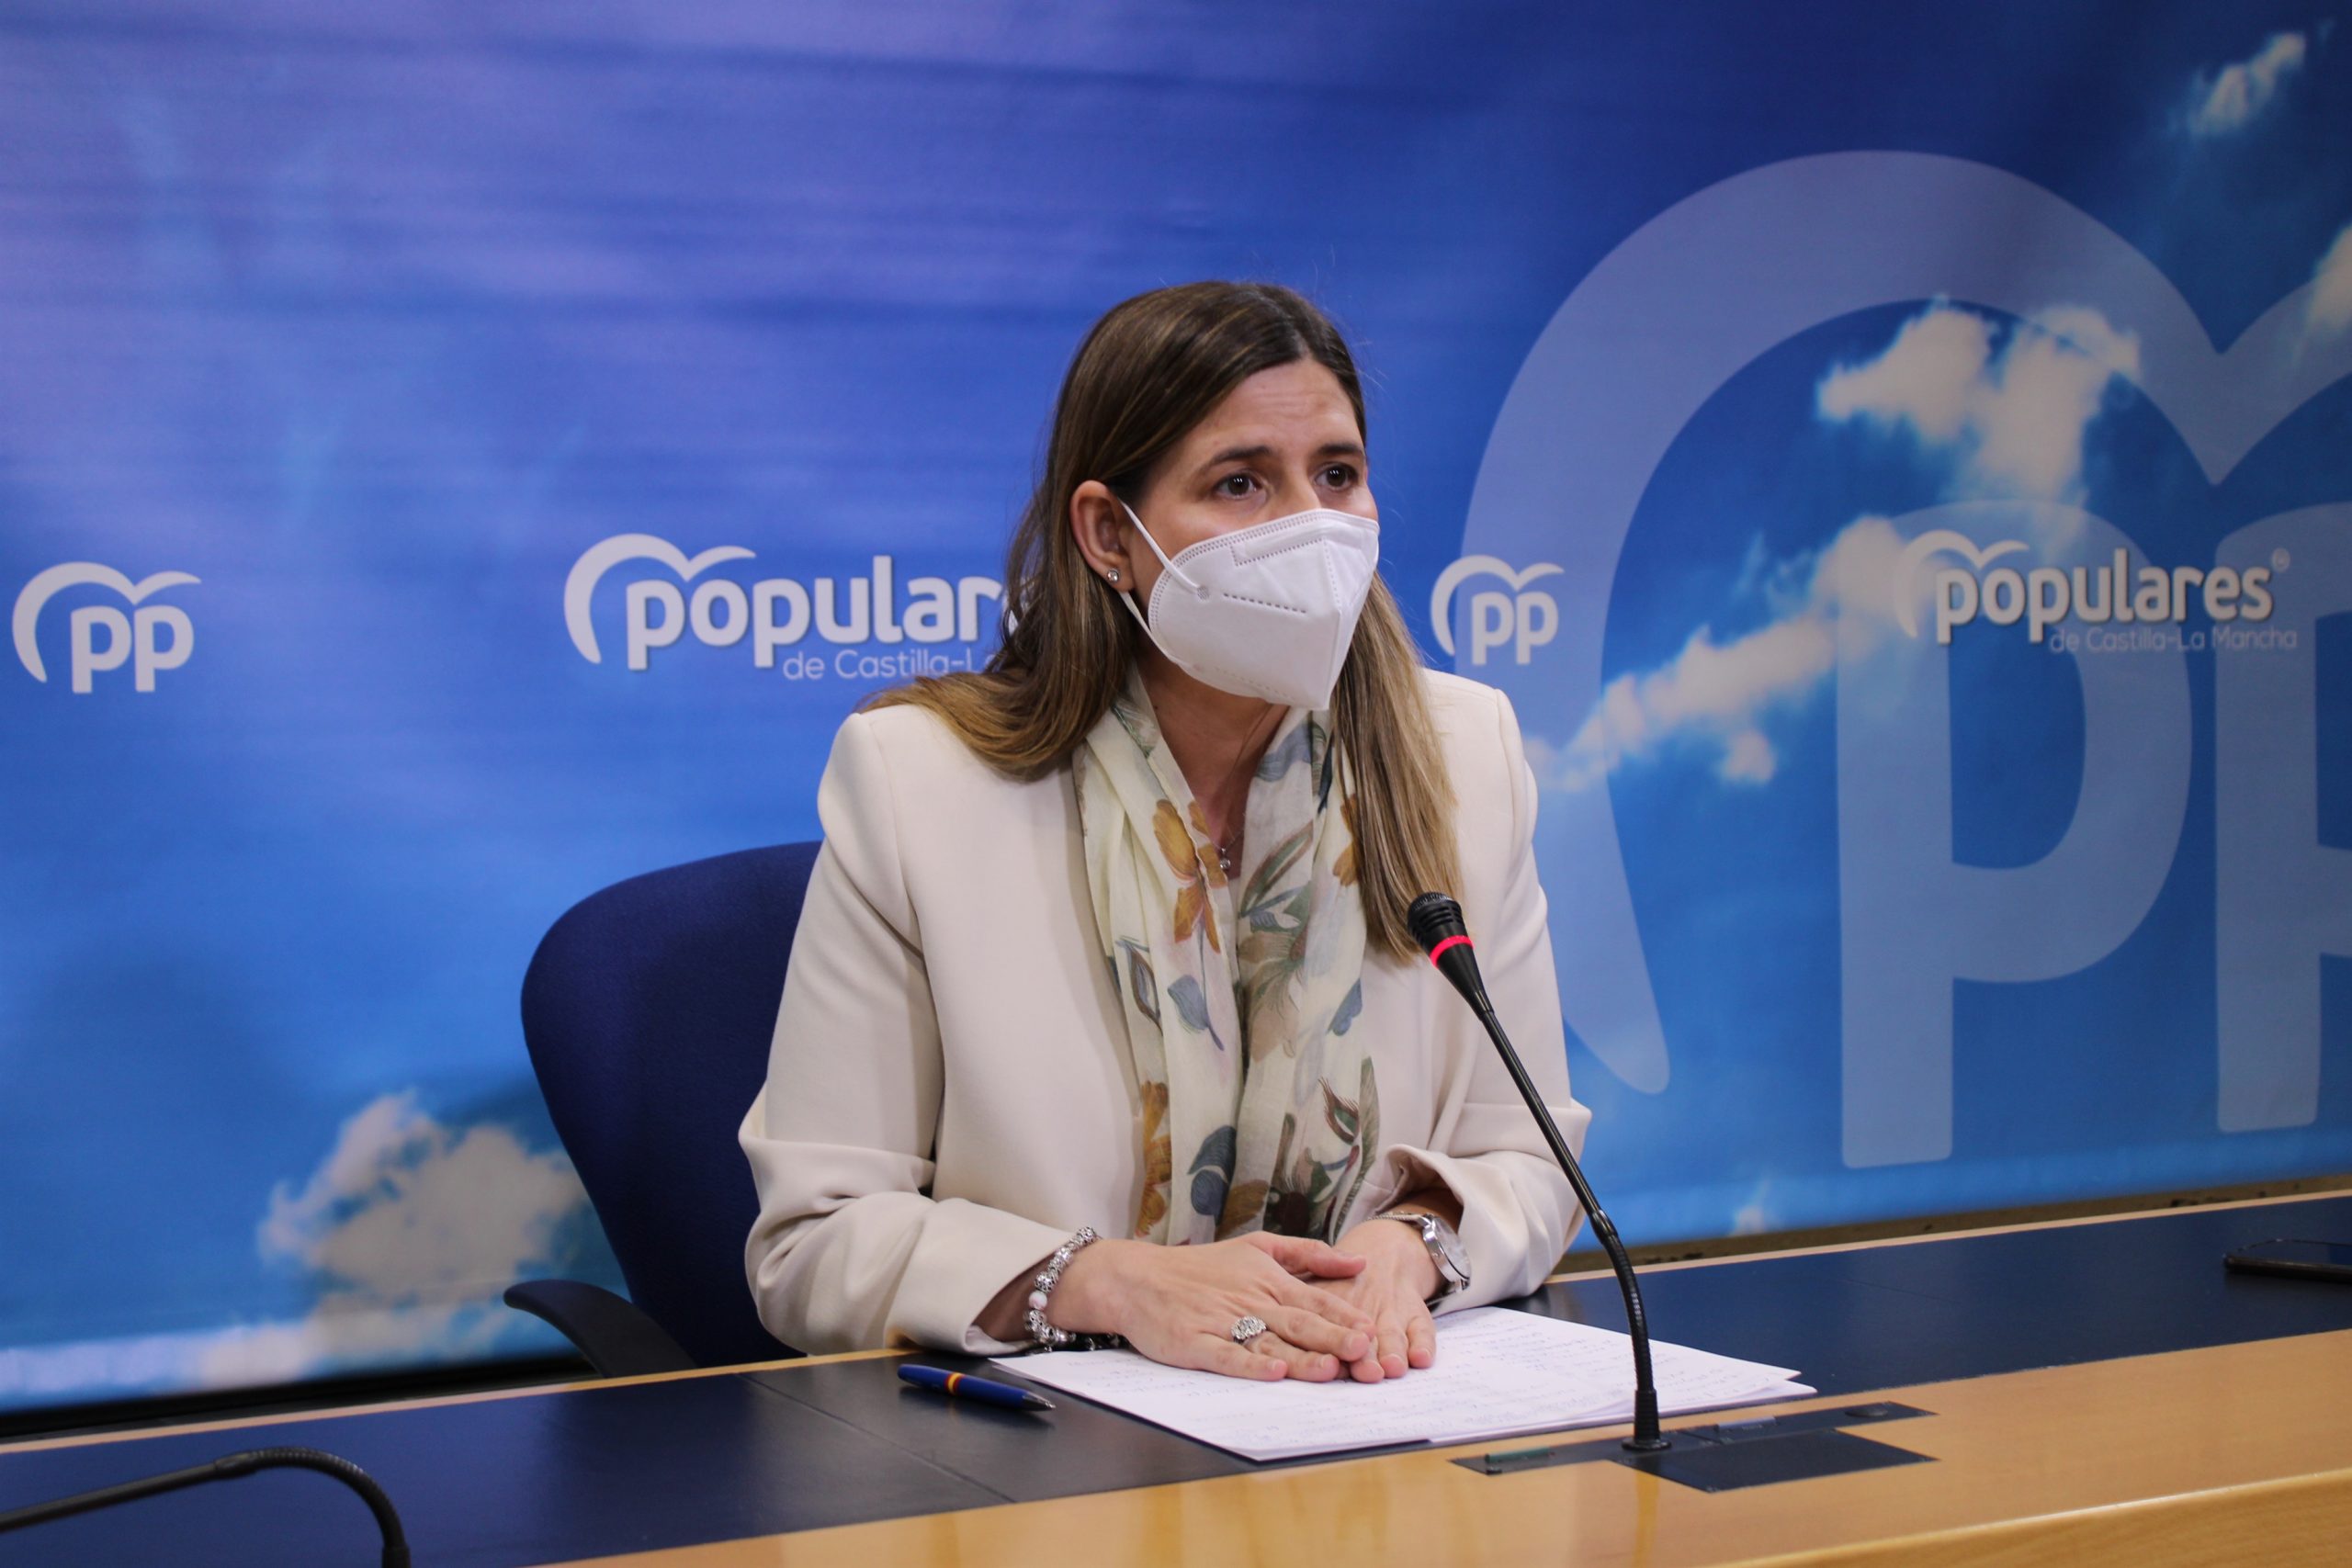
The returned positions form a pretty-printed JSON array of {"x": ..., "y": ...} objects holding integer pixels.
[
  {"x": 1435, "y": 921},
  {"x": 229, "y": 1467}
]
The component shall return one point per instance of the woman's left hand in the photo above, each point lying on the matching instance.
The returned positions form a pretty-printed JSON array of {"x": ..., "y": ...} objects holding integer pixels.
[{"x": 1398, "y": 1279}]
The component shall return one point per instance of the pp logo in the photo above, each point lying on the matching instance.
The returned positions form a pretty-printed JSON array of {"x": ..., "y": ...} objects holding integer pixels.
[
  {"x": 1522, "y": 619},
  {"x": 150, "y": 638}
]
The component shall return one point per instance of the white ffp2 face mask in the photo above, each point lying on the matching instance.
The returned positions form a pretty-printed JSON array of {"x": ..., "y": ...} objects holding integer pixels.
[{"x": 1268, "y": 611}]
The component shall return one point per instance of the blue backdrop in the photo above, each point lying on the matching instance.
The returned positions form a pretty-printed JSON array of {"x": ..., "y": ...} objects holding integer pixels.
[{"x": 452, "y": 458}]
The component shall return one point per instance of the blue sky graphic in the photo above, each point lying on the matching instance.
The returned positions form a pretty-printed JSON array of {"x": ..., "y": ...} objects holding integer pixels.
[{"x": 375, "y": 321}]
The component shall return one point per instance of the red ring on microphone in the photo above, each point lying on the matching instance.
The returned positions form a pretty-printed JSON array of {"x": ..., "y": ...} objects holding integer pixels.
[{"x": 1449, "y": 941}]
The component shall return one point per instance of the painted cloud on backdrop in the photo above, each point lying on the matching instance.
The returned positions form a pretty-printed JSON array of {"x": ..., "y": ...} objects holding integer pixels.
[
  {"x": 408, "y": 1231},
  {"x": 2330, "y": 311},
  {"x": 2011, "y": 409},
  {"x": 410, "y": 1228},
  {"x": 2225, "y": 102},
  {"x": 2008, "y": 407}
]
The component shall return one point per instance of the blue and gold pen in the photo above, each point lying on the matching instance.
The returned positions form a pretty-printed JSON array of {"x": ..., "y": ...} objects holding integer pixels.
[{"x": 963, "y": 1385}]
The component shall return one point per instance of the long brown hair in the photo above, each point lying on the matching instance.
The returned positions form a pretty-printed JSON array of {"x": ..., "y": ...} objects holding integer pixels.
[{"x": 1150, "y": 370}]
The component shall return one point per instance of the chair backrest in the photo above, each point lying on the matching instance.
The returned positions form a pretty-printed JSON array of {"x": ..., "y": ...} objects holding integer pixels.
[{"x": 648, "y": 1011}]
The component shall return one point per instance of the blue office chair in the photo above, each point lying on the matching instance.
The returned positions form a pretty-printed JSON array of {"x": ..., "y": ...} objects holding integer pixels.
[{"x": 648, "y": 1011}]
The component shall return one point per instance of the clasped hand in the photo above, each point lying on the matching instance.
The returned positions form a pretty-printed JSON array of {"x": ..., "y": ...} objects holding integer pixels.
[{"x": 1355, "y": 1308}]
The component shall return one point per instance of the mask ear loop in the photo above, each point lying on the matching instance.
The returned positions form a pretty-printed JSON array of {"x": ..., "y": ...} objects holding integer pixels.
[{"x": 1127, "y": 595}]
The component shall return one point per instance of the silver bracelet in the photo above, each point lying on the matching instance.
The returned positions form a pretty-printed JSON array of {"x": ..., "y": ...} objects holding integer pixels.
[{"x": 1048, "y": 1336}]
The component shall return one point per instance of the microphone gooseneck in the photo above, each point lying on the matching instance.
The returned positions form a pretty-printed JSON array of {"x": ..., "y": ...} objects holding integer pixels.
[
  {"x": 229, "y": 1467},
  {"x": 1435, "y": 921}
]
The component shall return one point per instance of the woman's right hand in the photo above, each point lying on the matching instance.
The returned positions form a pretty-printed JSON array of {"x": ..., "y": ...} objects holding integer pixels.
[{"x": 1178, "y": 1304}]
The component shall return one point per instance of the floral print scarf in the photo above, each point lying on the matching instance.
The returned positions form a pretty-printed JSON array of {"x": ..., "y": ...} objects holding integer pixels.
[{"x": 1238, "y": 1000}]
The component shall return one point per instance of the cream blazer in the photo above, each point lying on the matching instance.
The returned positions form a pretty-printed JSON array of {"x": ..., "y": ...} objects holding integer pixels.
[{"x": 949, "y": 1094}]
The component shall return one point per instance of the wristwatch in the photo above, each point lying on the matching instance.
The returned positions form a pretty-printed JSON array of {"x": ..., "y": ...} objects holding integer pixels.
[{"x": 1445, "y": 1250}]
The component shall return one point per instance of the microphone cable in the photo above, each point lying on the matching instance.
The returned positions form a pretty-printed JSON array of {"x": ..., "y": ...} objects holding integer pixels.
[{"x": 229, "y": 1467}]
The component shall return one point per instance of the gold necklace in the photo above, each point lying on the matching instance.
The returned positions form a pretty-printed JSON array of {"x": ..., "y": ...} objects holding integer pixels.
[{"x": 1227, "y": 847}]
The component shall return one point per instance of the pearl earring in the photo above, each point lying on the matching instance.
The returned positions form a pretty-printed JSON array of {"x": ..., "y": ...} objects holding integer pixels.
[{"x": 1113, "y": 574}]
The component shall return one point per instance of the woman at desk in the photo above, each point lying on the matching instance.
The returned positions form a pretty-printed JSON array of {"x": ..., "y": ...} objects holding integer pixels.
[{"x": 1102, "y": 1017}]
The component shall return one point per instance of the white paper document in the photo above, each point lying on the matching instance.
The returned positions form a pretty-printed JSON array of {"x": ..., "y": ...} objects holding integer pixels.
[{"x": 1499, "y": 1373}]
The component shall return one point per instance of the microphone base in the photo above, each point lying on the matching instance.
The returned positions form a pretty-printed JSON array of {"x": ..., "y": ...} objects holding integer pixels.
[
  {"x": 1795, "y": 1456},
  {"x": 1730, "y": 1455},
  {"x": 1646, "y": 1439}
]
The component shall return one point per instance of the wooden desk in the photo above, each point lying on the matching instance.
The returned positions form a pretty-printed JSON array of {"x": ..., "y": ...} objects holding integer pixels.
[
  {"x": 2201, "y": 1456},
  {"x": 2154, "y": 1409}
]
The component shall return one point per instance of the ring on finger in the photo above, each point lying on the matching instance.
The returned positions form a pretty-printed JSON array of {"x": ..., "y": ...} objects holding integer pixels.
[{"x": 1245, "y": 1329}]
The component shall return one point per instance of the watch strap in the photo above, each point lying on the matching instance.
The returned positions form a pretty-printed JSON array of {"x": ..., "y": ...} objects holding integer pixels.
[{"x": 1434, "y": 1233}]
